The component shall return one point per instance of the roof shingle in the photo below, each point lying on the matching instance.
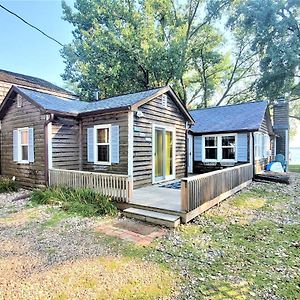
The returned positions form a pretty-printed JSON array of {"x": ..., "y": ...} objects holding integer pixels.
[{"x": 238, "y": 117}]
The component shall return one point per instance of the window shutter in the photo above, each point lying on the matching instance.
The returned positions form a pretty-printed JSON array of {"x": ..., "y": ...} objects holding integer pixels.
[
  {"x": 15, "y": 146},
  {"x": 115, "y": 144},
  {"x": 90, "y": 144},
  {"x": 30, "y": 145}
]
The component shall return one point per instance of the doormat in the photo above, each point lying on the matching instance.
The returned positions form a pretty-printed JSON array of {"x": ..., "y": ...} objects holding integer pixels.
[{"x": 174, "y": 185}]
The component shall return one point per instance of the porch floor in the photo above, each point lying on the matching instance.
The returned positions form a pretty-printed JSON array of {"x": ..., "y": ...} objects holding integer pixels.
[{"x": 157, "y": 197}]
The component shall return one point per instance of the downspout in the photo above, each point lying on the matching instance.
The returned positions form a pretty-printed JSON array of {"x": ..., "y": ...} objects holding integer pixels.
[
  {"x": 253, "y": 153},
  {"x": 186, "y": 149},
  {"x": 49, "y": 119}
]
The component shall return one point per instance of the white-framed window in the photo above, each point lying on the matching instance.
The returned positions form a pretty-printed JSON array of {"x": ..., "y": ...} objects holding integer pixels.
[
  {"x": 219, "y": 148},
  {"x": 102, "y": 144},
  {"x": 211, "y": 148},
  {"x": 164, "y": 100},
  {"x": 262, "y": 145},
  {"x": 228, "y": 147},
  {"x": 23, "y": 136},
  {"x": 23, "y": 145}
]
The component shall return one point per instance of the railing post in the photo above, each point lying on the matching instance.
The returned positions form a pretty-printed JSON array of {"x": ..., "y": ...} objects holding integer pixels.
[
  {"x": 184, "y": 195},
  {"x": 129, "y": 188}
]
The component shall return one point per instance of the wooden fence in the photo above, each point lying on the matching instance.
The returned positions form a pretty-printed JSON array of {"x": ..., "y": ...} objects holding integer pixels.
[
  {"x": 200, "y": 192},
  {"x": 118, "y": 187}
]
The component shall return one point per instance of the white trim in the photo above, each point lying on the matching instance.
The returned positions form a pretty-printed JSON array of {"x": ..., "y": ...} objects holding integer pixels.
[
  {"x": 190, "y": 153},
  {"x": 20, "y": 161},
  {"x": 287, "y": 154},
  {"x": 219, "y": 148},
  {"x": 170, "y": 129},
  {"x": 96, "y": 162},
  {"x": 130, "y": 143},
  {"x": 50, "y": 149},
  {"x": 251, "y": 147}
]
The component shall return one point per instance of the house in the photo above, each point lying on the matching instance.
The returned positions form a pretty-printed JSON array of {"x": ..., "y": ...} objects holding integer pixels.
[
  {"x": 231, "y": 135},
  {"x": 142, "y": 135},
  {"x": 7, "y": 79}
]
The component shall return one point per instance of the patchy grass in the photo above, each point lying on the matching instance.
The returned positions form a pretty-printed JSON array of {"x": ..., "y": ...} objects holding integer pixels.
[
  {"x": 84, "y": 202},
  {"x": 8, "y": 185},
  {"x": 294, "y": 168}
]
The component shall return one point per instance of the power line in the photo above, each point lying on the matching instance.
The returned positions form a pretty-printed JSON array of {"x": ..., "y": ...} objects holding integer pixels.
[{"x": 34, "y": 27}]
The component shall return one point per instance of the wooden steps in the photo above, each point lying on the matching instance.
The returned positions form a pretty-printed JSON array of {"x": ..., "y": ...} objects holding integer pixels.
[{"x": 154, "y": 217}]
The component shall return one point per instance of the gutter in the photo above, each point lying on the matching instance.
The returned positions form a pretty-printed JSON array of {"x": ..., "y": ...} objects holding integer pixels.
[{"x": 46, "y": 147}]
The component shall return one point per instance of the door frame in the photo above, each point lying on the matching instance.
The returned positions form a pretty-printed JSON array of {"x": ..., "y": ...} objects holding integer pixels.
[
  {"x": 173, "y": 130},
  {"x": 190, "y": 153}
]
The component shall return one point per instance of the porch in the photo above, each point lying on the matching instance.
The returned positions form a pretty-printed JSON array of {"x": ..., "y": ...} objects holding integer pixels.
[{"x": 167, "y": 204}]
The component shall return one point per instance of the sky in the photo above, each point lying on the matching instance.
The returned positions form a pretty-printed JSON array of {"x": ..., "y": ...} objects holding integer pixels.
[{"x": 23, "y": 49}]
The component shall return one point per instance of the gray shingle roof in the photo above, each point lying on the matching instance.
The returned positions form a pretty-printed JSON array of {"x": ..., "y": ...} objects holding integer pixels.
[
  {"x": 55, "y": 103},
  {"x": 31, "y": 82},
  {"x": 238, "y": 117}
]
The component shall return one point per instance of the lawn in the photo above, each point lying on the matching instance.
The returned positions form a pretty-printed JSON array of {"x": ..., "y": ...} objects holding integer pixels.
[
  {"x": 294, "y": 168},
  {"x": 246, "y": 248}
]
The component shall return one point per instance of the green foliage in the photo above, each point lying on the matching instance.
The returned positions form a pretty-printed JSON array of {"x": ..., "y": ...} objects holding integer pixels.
[
  {"x": 8, "y": 185},
  {"x": 84, "y": 202},
  {"x": 273, "y": 27}
]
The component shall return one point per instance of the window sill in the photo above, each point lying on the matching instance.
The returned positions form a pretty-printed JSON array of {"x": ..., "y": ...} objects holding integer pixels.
[
  {"x": 23, "y": 162},
  {"x": 102, "y": 163}
]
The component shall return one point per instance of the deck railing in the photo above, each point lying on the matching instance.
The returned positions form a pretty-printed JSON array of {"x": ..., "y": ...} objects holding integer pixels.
[
  {"x": 117, "y": 187},
  {"x": 214, "y": 186}
]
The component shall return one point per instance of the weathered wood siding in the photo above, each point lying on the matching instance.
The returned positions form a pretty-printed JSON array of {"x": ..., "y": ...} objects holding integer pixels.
[
  {"x": 155, "y": 113},
  {"x": 65, "y": 144},
  {"x": 120, "y": 119},
  {"x": 4, "y": 88},
  {"x": 32, "y": 174}
]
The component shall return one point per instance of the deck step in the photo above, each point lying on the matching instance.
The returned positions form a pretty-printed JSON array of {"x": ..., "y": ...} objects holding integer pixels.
[{"x": 152, "y": 217}]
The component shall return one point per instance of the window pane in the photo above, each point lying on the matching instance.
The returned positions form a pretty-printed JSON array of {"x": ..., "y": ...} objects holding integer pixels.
[
  {"x": 228, "y": 153},
  {"x": 211, "y": 141},
  {"x": 103, "y": 153},
  {"x": 24, "y": 137},
  {"x": 102, "y": 135},
  {"x": 228, "y": 141},
  {"x": 24, "y": 152},
  {"x": 169, "y": 153},
  {"x": 211, "y": 153}
]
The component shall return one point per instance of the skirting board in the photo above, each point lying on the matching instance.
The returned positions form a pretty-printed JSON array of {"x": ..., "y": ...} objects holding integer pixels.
[{"x": 199, "y": 210}]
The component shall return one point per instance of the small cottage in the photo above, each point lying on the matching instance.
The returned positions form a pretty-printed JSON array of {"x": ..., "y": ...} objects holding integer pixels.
[
  {"x": 230, "y": 135},
  {"x": 142, "y": 135}
]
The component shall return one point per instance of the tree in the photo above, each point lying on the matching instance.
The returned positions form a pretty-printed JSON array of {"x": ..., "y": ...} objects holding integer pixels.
[
  {"x": 125, "y": 46},
  {"x": 274, "y": 28}
]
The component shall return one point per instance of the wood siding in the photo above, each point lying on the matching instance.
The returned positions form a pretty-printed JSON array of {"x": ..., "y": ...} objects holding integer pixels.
[
  {"x": 120, "y": 119},
  {"x": 32, "y": 174},
  {"x": 155, "y": 113},
  {"x": 65, "y": 144},
  {"x": 4, "y": 88}
]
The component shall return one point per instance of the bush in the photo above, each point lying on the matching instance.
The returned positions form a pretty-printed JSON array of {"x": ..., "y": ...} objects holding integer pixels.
[
  {"x": 85, "y": 202},
  {"x": 8, "y": 185}
]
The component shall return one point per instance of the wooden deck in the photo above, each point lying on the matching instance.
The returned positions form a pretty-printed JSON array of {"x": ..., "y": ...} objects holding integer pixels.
[{"x": 157, "y": 197}]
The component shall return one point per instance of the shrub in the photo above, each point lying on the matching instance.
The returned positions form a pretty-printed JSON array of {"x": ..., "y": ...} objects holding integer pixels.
[
  {"x": 85, "y": 202},
  {"x": 8, "y": 185}
]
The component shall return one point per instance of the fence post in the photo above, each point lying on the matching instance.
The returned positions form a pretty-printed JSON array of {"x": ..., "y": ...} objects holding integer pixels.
[
  {"x": 129, "y": 188},
  {"x": 184, "y": 195}
]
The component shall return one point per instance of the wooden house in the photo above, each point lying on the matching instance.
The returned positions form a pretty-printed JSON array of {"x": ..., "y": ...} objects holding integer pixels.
[
  {"x": 8, "y": 79},
  {"x": 141, "y": 135},
  {"x": 231, "y": 135}
]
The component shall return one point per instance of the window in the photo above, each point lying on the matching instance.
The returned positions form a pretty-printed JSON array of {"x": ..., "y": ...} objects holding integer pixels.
[
  {"x": 23, "y": 144},
  {"x": 102, "y": 144},
  {"x": 262, "y": 145},
  {"x": 220, "y": 148},
  {"x": 211, "y": 148},
  {"x": 228, "y": 147}
]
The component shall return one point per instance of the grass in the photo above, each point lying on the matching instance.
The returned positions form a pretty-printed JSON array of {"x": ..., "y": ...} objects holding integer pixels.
[
  {"x": 294, "y": 168},
  {"x": 8, "y": 185},
  {"x": 84, "y": 202}
]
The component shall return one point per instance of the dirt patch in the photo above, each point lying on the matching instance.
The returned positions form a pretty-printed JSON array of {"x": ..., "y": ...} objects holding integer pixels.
[{"x": 134, "y": 226}]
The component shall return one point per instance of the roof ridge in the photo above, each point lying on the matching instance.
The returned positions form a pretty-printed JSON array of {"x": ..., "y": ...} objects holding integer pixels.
[{"x": 229, "y": 105}]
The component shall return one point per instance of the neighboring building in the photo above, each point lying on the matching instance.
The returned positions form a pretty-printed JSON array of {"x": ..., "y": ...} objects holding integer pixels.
[
  {"x": 141, "y": 134},
  {"x": 7, "y": 79},
  {"x": 229, "y": 135}
]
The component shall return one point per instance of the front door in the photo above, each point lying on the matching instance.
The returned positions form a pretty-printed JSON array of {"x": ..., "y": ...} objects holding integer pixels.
[{"x": 163, "y": 150}]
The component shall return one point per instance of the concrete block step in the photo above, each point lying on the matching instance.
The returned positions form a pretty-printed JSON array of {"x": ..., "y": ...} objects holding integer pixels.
[{"x": 152, "y": 217}]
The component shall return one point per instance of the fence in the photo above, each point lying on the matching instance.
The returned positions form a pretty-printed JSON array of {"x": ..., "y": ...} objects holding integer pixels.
[{"x": 118, "y": 187}]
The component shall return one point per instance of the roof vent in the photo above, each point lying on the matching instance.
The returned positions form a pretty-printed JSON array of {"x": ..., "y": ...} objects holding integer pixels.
[{"x": 96, "y": 95}]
